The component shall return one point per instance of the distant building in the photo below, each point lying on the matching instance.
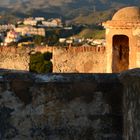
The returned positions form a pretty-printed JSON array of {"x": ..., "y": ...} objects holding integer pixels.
[
  {"x": 53, "y": 23},
  {"x": 69, "y": 41},
  {"x": 39, "y": 18},
  {"x": 99, "y": 42},
  {"x": 30, "y": 21},
  {"x": 62, "y": 40},
  {"x": 7, "y": 27},
  {"x": 12, "y": 36},
  {"x": 30, "y": 30}
]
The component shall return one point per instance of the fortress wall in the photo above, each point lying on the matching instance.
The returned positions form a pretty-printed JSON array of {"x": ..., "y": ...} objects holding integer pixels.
[
  {"x": 18, "y": 58},
  {"x": 138, "y": 57},
  {"x": 14, "y": 58},
  {"x": 60, "y": 106},
  {"x": 79, "y": 59},
  {"x": 43, "y": 49},
  {"x": 69, "y": 59}
]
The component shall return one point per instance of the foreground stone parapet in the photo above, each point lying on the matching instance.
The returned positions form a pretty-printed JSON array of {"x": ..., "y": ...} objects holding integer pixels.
[
  {"x": 131, "y": 104},
  {"x": 60, "y": 106}
]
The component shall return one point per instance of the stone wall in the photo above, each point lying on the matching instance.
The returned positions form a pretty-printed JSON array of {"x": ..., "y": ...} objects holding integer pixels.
[
  {"x": 79, "y": 59},
  {"x": 131, "y": 104},
  {"x": 60, "y": 106},
  {"x": 69, "y": 106},
  {"x": 138, "y": 57},
  {"x": 14, "y": 58},
  {"x": 73, "y": 59}
]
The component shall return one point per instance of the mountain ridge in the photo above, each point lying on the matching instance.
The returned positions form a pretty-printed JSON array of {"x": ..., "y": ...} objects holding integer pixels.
[{"x": 68, "y": 9}]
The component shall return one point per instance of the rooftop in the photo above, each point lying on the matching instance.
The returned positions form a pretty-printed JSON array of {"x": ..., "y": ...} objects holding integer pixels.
[{"x": 127, "y": 13}]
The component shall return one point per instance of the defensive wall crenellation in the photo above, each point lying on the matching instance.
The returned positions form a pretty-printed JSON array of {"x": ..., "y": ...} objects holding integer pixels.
[
  {"x": 13, "y": 50},
  {"x": 54, "y": 48},
  {"x": 16, "y": 50},
  {"x": 80, "y": 49},
  {"x": 44, "y": 49}
]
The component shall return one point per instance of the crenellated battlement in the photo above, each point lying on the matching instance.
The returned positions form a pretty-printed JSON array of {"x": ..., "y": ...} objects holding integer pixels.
[
  {"x": 44, "y": 49},
  {"x": 72, "y": 50},
  {"x": 75, "y": 50},
  {"x": 54, "y": 48}
]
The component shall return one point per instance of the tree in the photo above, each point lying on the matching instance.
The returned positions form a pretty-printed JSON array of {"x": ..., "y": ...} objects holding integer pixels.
[
  {"x": 47, "y": 56},
  {"x": 38, "y": 39},
  {"x": 40, "y": 63}
]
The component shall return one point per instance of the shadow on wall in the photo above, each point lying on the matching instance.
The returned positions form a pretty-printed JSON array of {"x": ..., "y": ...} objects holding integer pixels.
[
  {"x": 120, "y": 53},
  {"x": 68, "y": 106}
]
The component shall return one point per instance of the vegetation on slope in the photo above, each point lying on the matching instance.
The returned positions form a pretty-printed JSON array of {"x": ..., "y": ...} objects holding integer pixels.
[
  {"x": 91, "y": 33},
  {"x": 94, "y": 18}
]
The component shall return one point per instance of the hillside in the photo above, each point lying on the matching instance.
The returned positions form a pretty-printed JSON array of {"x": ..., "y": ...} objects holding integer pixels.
[
  {"x": 78, "y": 10},
  {"x": 95, "y": 18},
  {"x": 91, "y": 33}
]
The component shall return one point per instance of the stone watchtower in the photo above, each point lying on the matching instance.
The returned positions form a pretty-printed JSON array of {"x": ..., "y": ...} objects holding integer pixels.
[{"x": 123, "y": 40}]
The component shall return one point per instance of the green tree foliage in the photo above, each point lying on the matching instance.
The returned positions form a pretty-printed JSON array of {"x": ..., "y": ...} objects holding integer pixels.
[
  {"x": 38, "y": 39},
  {"x": 47, "y": 56},
  {"x": 52, "y": 36},
  {"x": 40, "y": 63}
]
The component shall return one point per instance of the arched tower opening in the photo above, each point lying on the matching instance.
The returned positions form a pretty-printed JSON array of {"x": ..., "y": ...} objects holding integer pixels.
[
  {"x": 122, "y": 40},
  {"x": 120, "y": 53}
]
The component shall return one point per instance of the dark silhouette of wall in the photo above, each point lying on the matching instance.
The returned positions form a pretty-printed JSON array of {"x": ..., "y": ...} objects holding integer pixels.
[{"x": 60, "y": 106}]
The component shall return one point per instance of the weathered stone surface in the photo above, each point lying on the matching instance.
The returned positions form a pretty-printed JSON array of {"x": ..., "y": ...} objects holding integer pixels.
[
  {"x": 14, "y": 58},
  {"x": 131, "y": 104},
  {"x": 74, "y": 59},
  {"x": 81, "y": 62},
  {"x": 61, "y": 107}
]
